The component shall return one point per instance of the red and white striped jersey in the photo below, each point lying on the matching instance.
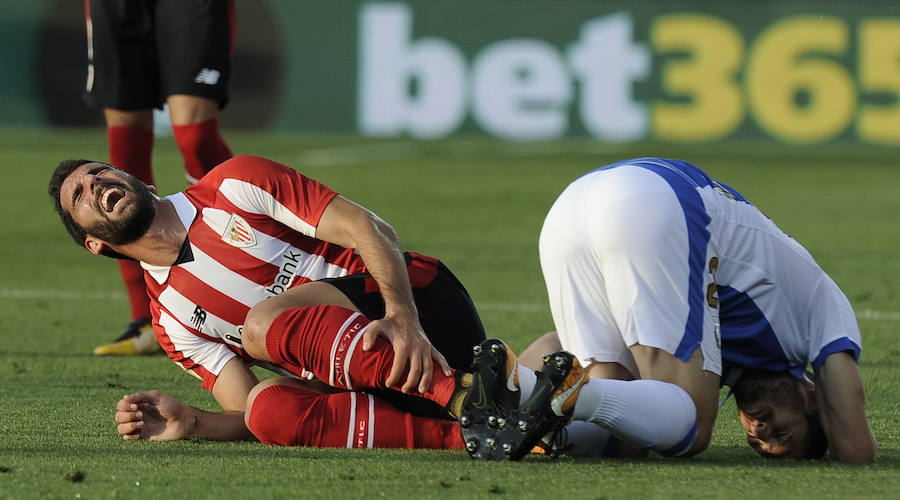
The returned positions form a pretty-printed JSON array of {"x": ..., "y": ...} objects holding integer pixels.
[{"x": 252, "y": 231}]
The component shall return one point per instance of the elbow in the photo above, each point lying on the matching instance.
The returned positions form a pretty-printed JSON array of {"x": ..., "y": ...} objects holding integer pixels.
[
  {"x": 385, "y": 230},
  {"x": 860, "y": 453}
]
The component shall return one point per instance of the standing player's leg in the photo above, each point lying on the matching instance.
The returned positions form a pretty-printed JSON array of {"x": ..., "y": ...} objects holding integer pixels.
[
  {"x": 195, "y": 41},
  {"x": 284, "y": 411},
  {"x": 130, "y": 135},
  {"x": 195, "y": 125},
  {"x": 122, "y": 80}
]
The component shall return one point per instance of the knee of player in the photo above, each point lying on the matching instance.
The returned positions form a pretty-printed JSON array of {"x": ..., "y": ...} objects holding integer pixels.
[
  {"x": 701, "y": 441},
  {"x": 253, "y": 333}
]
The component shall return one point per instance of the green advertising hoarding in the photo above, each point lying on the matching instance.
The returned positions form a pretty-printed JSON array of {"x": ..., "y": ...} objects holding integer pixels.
[
  {"x": 618, "y": 71},
  {"x": 688, "y": 71}
]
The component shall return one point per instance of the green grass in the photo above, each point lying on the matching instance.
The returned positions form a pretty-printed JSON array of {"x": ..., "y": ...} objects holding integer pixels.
[{"x": 478, "y": 205}]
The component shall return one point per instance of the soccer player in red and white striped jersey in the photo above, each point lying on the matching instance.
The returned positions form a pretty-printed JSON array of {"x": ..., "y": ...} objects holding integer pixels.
[{"x": 258, "y": 264}]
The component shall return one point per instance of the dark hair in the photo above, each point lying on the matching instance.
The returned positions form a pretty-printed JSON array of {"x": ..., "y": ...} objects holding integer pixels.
[
  {"x": 816, "y": 440},
  {"x": 63, "y": 171}
]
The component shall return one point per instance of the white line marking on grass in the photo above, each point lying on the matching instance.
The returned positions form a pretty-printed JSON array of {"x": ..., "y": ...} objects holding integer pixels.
[
  {"x": 330, "y": 157},
  {"x": 60, "y": 295},
  {"x": 882, "y": 315},
  {"x": 7, "y": 293},
  {"x": 394, "y": 151},
  {"x": 511, "y": 307}
]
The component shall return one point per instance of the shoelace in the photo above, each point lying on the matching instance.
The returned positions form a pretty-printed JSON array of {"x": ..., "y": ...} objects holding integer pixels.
[{"x": 554, "y": 446}]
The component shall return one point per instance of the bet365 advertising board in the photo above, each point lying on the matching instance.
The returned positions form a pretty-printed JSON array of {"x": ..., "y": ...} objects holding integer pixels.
[{"x": 692, "y": 71}]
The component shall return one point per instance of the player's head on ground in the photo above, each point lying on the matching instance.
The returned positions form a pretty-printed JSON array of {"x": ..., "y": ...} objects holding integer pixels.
[
  {"x": 778, "y": 413},
  {"x": 101, "y": 205}
]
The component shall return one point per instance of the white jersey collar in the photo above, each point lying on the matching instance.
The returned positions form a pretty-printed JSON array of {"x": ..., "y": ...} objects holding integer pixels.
[{"x": 186, "y": 213}]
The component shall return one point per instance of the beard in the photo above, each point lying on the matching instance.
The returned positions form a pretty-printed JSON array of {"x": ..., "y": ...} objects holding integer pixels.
[{"x": 131, "y": 226}]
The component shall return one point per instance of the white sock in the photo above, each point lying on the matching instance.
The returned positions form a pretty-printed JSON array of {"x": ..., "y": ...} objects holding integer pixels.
[
  {"x": 645, "y": 413},
  {"x": 527, "y": 379},
  {"x": 586, "y": 439}
]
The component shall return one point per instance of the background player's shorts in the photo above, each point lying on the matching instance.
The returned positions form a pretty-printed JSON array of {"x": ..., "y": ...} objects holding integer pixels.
[
  {"x": 142, "y": 51},
  {"x": 446, "y": 313},
  {"x": 625, "y": 260}
]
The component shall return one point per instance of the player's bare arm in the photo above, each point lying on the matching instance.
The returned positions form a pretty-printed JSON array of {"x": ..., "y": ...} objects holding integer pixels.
[
  {"x": 350, "y": 225},
  {"x": 841, "y": 404},
  {"x": 157, "y": 416}
]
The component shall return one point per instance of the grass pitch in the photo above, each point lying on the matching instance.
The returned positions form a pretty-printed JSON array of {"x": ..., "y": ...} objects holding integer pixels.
[{"x": 478, "y": 205}]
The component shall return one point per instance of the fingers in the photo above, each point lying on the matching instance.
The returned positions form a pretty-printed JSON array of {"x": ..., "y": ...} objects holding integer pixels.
[
  {"x": 369, "y": 337},
  {"x": 123, "y": 417},
  {"x": 130, "y": 413},
  {"x": 130, "y": 430},
  {"x": 125, "y": 404},
  {"x": 151, "y": 397},
  {"x": 442, "y": 361},
  {"x": 426, "y": 364},
  {"x": 129, "y": 423},
  {"x": 415, "y": 373},
  {"x": 399, "y": 366}
]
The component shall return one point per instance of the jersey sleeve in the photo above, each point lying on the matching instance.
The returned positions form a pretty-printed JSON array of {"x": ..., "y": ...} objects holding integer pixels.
[
  {"x": 201, "y": 357},
  {"x": 258, "y": 186},
  {"x": 833, "y": 326}
]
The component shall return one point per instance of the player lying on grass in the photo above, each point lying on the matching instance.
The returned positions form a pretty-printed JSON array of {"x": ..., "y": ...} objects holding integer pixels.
[
  {"x": 663, "y": 284},
  {"x": 257, "y": 264}
]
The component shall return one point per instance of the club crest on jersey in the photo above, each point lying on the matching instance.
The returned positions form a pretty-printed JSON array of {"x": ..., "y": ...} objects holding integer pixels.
[{"x": 238, "y": 233}]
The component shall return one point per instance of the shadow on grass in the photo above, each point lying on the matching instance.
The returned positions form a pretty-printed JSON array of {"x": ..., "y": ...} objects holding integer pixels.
[{"x": 725, "y": 457}]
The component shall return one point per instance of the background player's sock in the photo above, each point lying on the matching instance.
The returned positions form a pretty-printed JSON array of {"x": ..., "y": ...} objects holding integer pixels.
[
  {"x": 326, "y": 340},
  {"x": 292, "y": 416},
  {"x": 131, "y": 149},
  {"x": 133, "y": 277},
  {"x": 202, "y": 147},
  {"x": 645, "y": 413}
]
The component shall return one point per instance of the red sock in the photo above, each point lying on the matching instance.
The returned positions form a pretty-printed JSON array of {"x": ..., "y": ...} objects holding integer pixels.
[
  {"x": 133, "y": 276},
  {"x": 131, "y": 149},
  {"x": 202, "y": 147},
  {"x": 292, "y": 416},
  {"x": 327, "y": 341}
]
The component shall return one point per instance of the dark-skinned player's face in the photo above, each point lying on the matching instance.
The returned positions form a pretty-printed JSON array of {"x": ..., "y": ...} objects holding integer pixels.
[{"x": 108, "y": 203}]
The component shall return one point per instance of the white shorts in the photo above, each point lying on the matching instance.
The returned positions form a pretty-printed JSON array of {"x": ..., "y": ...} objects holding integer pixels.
[{"x": 614, "y": 251}]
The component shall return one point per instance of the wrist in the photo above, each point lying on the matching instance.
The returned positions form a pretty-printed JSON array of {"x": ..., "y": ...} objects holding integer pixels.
[
  {"x": 401, "y": 313},
  {"x": 191, "y": 422}
]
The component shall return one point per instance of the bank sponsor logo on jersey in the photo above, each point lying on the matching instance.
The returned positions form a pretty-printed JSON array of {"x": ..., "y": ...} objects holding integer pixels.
[
  {"x": 238, "y": 233},
  {"x": 207, "y": 76},
  {"x": 290, "y": 264}
]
